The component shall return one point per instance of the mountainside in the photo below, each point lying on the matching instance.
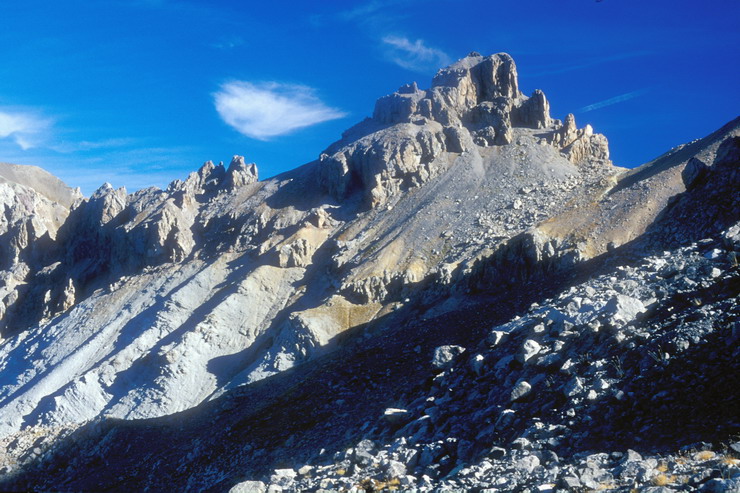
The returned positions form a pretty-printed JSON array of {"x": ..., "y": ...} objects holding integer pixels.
[{"x": 339, "y": 315}]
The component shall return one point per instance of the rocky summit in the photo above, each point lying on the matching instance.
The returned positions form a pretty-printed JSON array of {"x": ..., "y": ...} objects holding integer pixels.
[{"x": 463, "y": 293}]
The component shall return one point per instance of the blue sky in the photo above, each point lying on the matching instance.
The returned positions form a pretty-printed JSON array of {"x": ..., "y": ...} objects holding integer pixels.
[{"x": 141, "y": 92}]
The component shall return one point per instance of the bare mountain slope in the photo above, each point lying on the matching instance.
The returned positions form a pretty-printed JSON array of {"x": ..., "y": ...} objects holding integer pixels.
[
  {"x": 618, "y": 373},
  {"x": 248, "y": 278},
  {"x": 148, "y": 304}
]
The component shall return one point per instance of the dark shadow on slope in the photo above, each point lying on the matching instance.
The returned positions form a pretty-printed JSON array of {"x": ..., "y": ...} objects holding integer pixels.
[{"x": 334, "y": 394}]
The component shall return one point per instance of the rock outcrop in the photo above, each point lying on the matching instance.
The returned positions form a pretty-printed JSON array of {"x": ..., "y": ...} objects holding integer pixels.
[
  {"x": 474, "y": 103},
  {"x": 34, "y": 206},
  {"x": 579, "y": 144}
]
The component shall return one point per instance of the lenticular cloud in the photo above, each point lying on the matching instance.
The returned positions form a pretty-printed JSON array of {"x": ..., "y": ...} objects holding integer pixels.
[{"x": 270, "y": 109}]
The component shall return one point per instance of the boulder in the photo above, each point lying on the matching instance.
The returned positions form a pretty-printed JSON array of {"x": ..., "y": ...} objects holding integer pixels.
[
  {"x": 445, "y": 356},
  {"x": 520, "y": 391},
  {"x": 249, "y": 487},
  {"x": 623, "y": 309},
  {"x": 694, "y": 171}
]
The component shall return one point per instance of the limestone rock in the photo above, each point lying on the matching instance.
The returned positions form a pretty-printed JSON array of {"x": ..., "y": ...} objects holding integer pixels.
[
  {"x": 105, "y": 204},
  {"x": 623, "y": 309},
  {"x": 694, "y": 171},
  {"x": 240, "y": 174},
  {"x": 533, "y": 112},
  {"x": 249, "y": 487},
  {"x": 68, "y": 297},
  {"x": 444, "y": 356},
  {"x": 398, "y": 107},
  {"x": 473, "y": 79},
  {"x": 579, "y": 144},
  {"x": 469, "y": 103},
  {"x": 296, "y": 254},
  {"x": 520, "y": 391}
]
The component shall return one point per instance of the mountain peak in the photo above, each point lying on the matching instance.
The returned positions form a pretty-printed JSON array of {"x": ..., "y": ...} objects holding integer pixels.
[{"x": 472, "y": 104}]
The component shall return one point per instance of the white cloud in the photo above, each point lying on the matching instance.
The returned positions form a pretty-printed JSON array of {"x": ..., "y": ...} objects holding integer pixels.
[
  {"x": 67, "y": 147},
  {"x": 415, "y": 56},
  {"x": 614, "y": 100},
  {"x": 24, "y": 128},
  {"x": 269, "y": 109}
]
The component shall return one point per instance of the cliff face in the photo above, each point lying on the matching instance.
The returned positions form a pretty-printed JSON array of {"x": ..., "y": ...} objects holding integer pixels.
[
  {"x": 472, "y": 104},
  {"x": 34, "y": 205},
  {"x": 146, "y": 304}
]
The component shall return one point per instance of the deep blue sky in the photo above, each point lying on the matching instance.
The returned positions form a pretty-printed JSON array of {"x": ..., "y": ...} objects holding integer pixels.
[{"x": 141, "y": 92}]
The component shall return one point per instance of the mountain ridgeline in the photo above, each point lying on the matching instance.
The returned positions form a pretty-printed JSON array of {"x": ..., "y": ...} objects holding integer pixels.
[{"x": 322, "y": 329}]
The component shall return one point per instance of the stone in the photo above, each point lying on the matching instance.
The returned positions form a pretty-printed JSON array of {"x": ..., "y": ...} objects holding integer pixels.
[
  {"x": 249, "y": 487},
  {"x": 570, "y": 483},
  {"x": 520, "y": 391},
  {"x": 529, "y": 349},
  {"x": 395, "y": 416},
  {"x": 594, "y": 477},
  {"x": 527, "y": 464},
  {"x": 283, "y": 477},
  {"x": 521, "y": 443},
  {"x": 505, "y": 419},
  {"x": 694, "y": 172},
  {"x": 477, "y": 364},
  {"x": 445, "y": 356},
  {"x": 495, "y": 337},
  {"x": 623, "y": 309},
  {"x": 364, "y": 453},
  {"x": 573, "y": 388},
  {"x": 631, "y": 456},
  {"x": 717, "y": 485},
  {"x": 497, "y": 453},
  {"x": 395, "y": 469}
]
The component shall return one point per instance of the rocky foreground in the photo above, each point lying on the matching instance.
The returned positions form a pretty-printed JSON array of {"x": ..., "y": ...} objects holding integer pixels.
[
  {"x": 645, "y": 356},
  {"x": 462, "y": 293}
]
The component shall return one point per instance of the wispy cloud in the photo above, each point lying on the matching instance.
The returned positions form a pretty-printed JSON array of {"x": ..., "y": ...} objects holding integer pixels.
[
  {"x": 24, "y": 128},
  {"x": 364, "y": 10},
  {"x": 415, "y": 56},
  {"x": 67, "y": 147},
  {"x": 270, "y": 109},
  {"x": 228, "y": 43},
  {"x": 616, "y": 99},
  {"x": 587, "y": 63}
]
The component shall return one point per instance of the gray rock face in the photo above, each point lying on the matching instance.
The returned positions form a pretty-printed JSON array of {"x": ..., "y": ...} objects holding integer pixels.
[
  {"x": 520, "y": 391},
  {"x": 579, "y": 144},
  {"x": 623, "y": 309},
  {"x": 240, "y": 173},
  {"x": 695, "y": 170},
  {"x": 533, "y": 112},
  {"x": 35, "y": 205},
  {"x": 473, "y": 103},
  {"x": 444, "y": 356},
  {"x": 249, "y": 487}
]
